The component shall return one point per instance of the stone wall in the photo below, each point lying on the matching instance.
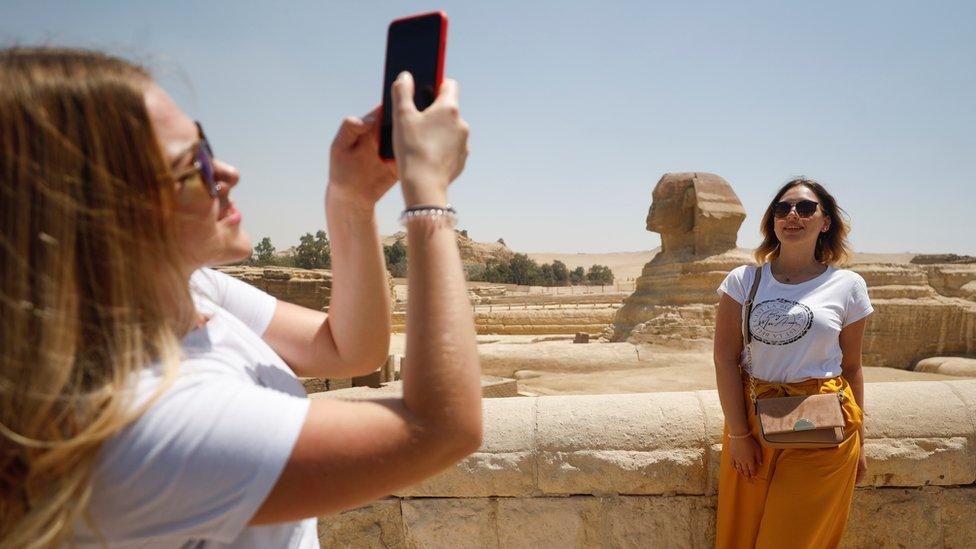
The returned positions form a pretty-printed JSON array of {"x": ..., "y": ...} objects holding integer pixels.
[
  {"x": 919, "y": 312},
  {"x": 641, "y": 471},
  {"x": 537, "y": 320},
  {"x": 310, "y": 288}
]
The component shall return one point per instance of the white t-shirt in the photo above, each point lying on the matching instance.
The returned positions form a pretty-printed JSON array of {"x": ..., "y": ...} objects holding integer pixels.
[
  {"x": 193, "y": 470},
  {"x": 796, "y": 327}
]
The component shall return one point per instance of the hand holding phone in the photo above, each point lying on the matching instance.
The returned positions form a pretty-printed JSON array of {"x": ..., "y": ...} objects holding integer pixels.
[
  {"x": 416, "y": 45},
  {"x": 432, "y": 145}
]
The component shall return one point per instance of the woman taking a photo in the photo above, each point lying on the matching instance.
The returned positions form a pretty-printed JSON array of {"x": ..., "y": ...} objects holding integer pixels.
[
  {"x": 148, "y": 401},
  {"x": 806, "y": 322}
]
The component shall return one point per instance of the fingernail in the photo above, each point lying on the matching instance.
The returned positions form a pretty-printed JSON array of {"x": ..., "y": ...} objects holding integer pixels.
[{"x": 402, "y": 75}]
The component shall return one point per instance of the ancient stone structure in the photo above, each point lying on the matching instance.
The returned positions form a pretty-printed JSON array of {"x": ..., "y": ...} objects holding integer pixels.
[
  {"x": 932, "y": 259},
  {"x": 920, "y": 311},
  {"x": 641, "y": 470},
  {"x": 698, "y": 216},
  {"x": 310, "y": 288},
  {"x": 948, "y": 365},
  {"x": 517, "y": 320}
]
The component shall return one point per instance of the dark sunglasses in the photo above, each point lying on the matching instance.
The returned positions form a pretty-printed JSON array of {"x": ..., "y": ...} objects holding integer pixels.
[
  {"x": 804, "y": 208},
  {"x": 202, "y": 164}
]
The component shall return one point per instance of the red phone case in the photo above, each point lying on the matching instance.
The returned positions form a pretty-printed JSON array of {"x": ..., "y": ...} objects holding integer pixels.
[{"x": 440, "y": 58}]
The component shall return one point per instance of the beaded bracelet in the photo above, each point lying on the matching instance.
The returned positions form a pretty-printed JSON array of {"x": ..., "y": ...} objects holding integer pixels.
[{"x": 429, "y": 212}]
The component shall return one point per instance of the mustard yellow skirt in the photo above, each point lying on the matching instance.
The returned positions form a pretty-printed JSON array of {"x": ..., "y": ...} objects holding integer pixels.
[{"x": 800, "y": 498}]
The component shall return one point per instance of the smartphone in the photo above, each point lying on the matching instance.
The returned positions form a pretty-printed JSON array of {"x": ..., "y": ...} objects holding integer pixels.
[{"x": 415, "y": 44}]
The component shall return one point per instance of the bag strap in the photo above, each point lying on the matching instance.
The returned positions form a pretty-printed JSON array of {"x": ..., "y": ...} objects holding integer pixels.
[{"x": 747, "y": 331}]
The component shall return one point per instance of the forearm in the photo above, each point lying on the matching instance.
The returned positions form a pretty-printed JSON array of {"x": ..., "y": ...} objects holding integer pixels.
[
  {"x": 730, "y": 394},
  {"x": 359, "y": 309},
  {"x": 442, "y": 375},
  {"x": 855, "y": 377}
]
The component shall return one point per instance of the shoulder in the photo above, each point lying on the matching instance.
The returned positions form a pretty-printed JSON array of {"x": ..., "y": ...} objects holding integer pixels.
[
  {"x": 850, "y": 277},
  {"x": 209, "y": 283},
  {"x": 741, "y": 273},
  {"x": 200, "y": 459}
]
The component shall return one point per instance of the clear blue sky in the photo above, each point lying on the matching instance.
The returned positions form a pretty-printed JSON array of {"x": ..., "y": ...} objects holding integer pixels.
[{"x": 578, "y": 108}]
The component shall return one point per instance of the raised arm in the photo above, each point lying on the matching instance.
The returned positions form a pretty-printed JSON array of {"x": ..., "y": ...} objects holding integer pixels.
[
  {"x": 354, "y": 338},
  {"x": 349, "y": 453}
]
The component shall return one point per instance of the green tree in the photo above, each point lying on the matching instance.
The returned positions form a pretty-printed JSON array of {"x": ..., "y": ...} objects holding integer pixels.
[
  {"x": 524, "y": 271},
  {"x": 599, "y": 275},
  {"x": 546, "y": 275},
  {"x": 577, "y": 276},
  {"x": 264, "y": 252},
  {"x": 497, "y": 271},
  {"x": 396, "y": 259},
  {"x": 560, "y": 273},
  {"x": 475, "y": 272},
  {"x": 313, "y": 252}
]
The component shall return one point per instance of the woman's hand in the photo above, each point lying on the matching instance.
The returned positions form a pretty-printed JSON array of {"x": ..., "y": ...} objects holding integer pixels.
[
  {"x": 862, "y": 465},
  {"x": 746, "y": 455},
  {"x": 430, "y": 146},
  {"x": 357, "y": 174}
]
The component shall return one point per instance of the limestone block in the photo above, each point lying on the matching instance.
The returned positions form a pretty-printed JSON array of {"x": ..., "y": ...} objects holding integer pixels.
[
  {"x": 919, "y": 433},
  {"x": 900, "y": 292},
  {"x": 315, "y": 384},
  {"x": 714, "y": 426},
  {"x": 377, "y": 525},
  {"x": 551, "y": 522},
  {"x": 953, "y": 280},
  {"x": 903, "y": 331},
  {"x": 450, "y": 523},
  {"x": 504, "y": 359},
  {"x": 966, "y": 391},
  {"x": 680, "y": 327},
  {"x": 666, "y": 522},
  {"x": 948, "y": 365},
  {"x": 891, "y": 275},
  {"x": 895, "y": 518},
  {"x": 622, "y": 472},
  {"x": 958, "y": 513},
  {"x": 310, "y": 288},
  {"x": 503, "y": 466},
  {"x": 491, "y": 387},
  {"x": 530, "y": 321},
  {"x": 636, "y": 444}
]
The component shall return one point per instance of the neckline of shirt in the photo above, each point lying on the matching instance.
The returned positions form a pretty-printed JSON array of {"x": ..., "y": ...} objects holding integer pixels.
[{"x": 768, "y": 272}]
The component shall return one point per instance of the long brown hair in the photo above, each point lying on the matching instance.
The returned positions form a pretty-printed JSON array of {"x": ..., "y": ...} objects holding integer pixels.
[
  {"x": 91, "y": 288},
  {"x": 832, "y": 246}
]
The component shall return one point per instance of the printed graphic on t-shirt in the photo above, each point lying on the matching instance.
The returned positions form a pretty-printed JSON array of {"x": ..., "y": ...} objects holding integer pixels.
[{"x": 780, "y": 321}]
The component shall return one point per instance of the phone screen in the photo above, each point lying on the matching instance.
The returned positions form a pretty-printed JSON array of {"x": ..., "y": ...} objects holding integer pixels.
[{"x": 413, "y": 44}]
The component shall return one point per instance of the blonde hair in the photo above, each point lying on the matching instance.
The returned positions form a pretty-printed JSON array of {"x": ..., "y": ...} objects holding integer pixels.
[
  {"x": 832, "y": 247},
  {"x": 91, "y": 289}
]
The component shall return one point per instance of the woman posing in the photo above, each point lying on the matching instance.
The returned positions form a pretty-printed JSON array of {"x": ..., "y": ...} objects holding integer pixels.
[
  {"x": 807, "y": 325},
  {"x": 148, "y": 401}
]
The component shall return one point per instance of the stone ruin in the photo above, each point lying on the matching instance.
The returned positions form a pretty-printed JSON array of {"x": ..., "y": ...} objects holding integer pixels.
[
  {"x": 698, "y": 217},
  {"x": 310, "y": 288}
]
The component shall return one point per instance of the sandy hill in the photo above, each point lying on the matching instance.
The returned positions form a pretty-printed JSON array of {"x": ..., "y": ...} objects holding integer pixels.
[{"x": 472, "y": 251}]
